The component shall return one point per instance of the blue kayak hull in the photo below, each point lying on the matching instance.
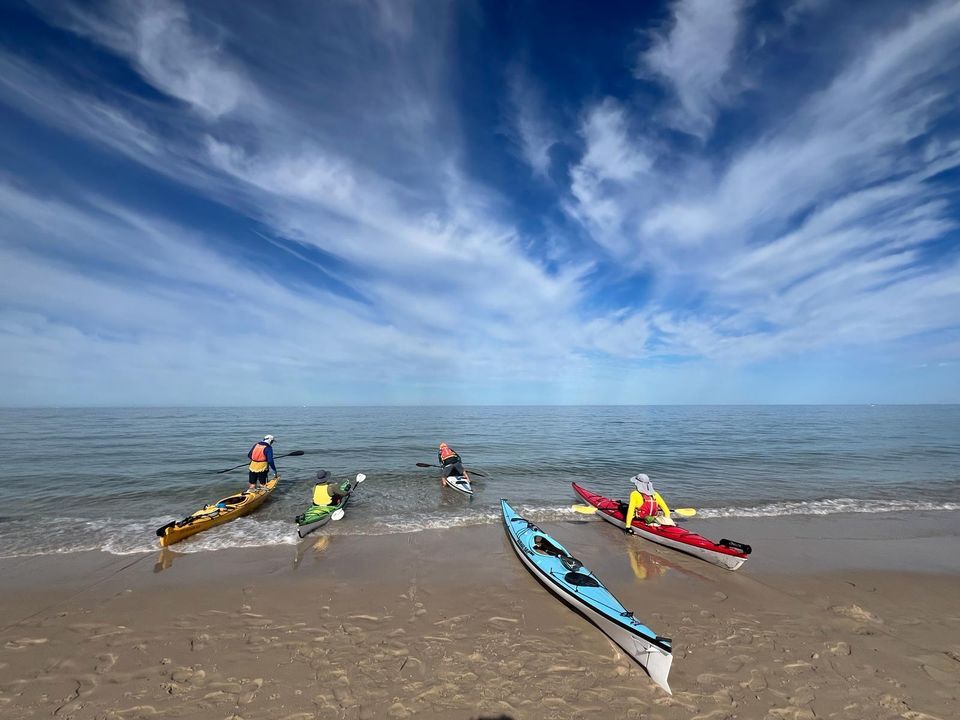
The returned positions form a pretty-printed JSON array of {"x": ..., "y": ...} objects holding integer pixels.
[{"x": 576, "y": 586}]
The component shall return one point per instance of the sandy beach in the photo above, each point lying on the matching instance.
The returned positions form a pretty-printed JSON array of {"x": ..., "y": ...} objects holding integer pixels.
[{"x": 448, "y": 624}]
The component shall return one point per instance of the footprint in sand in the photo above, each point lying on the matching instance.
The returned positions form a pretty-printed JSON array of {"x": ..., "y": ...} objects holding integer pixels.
[
  {"x": 104, "y": 663},
  {"x": 838, "y": 648},
  {"x": 855, "y": 612},
  {"x": 941, "y": 676}
]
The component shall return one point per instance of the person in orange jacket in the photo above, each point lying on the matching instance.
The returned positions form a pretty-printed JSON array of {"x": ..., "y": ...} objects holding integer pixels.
[
  {"x": 261, "y": 462},
  {"x": 450, "y": 462}
]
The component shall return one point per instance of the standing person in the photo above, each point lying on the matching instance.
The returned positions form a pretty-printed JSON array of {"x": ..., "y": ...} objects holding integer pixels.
[
  {"x": 261, "y": 459},
  {"x": 643, "y": 502},
  {"x": 450, "y": 462}
]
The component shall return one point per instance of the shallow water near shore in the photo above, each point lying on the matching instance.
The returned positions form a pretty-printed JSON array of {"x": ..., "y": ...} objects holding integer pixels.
[{"x": 105, "y": 479}]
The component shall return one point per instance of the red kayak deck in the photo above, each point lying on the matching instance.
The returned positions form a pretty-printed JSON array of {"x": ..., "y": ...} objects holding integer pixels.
[{"x": 668, "y": 535}]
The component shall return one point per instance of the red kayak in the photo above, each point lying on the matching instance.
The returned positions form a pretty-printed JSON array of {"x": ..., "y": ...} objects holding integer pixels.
[{"x": 726, "y": 553}]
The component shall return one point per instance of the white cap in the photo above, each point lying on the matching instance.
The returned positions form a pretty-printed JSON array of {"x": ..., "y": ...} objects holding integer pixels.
[
  {"x": 268, "y": 439},
  {"x": 643, "y": 483}
]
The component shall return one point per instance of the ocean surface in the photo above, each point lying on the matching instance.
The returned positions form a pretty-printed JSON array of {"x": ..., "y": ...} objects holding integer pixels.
[{"x": 105, "y": 479}]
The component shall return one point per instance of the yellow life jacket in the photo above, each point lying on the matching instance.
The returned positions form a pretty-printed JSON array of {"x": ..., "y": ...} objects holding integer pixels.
[{"x": 321, "y": 494}]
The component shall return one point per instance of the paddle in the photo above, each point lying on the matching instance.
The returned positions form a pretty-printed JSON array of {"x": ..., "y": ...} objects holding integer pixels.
[
  {"x": 473, "y": 472},
  {"x": 339, "y": 513},
  {"x": 590, "y": 510},
  {"x": 289, "y": 454}
]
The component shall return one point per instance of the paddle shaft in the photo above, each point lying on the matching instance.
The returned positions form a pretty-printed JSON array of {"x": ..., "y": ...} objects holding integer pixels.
[
  {"x": 475, "y": 472},
  {"x": 289, "y": 454}
]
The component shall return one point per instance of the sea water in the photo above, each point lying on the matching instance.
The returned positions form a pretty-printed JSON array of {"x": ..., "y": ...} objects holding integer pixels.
[{"x": 105, "y": 479}]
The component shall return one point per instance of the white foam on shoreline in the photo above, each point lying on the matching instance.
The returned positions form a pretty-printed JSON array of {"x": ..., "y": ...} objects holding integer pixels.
[
  {"x": 56, "y": 536},
  {"x": 827, "y": 507}
]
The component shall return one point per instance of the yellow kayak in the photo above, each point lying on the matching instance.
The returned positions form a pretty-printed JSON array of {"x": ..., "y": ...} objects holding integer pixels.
[{"x": 218, "y": 513}]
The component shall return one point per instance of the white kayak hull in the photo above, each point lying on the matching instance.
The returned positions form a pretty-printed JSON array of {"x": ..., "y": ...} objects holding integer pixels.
[
  {"x": 459, "y": 483},
  {"x": 729, "y": 562}
]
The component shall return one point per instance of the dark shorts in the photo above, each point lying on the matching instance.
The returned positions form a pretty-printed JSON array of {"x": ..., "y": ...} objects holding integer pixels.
[
  {"x": 454, "y": 469},
  {"x": 258, "y": 477}
]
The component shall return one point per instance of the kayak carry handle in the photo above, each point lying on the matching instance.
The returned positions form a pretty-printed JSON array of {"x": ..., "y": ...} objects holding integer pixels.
[{"x": 733, "y": 544}]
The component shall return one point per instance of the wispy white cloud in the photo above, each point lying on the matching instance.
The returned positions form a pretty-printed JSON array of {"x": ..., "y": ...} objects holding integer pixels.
[
  {"x": 611, "y": 161},
  {"x": 167, "y": 48},
  {"x": 530, "y": 120},
  {"x": 694, "y": 59},
  {"x": 812, "y": 236}
]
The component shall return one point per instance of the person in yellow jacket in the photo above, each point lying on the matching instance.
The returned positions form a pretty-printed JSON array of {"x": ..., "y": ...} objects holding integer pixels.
[
  {"x": 261, "y": 461},
  {"x": 645, "y": 503}
]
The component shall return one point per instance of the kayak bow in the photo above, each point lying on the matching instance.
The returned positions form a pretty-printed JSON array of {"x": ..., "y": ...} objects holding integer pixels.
[
  {"x": 460, "y": 483},
  {"x": 569, "y": 580}
]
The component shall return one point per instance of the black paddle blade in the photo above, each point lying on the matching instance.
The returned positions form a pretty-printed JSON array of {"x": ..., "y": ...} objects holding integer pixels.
[
  {"x": 295, "y": 452},
  {"x": 425, "y": 465}
]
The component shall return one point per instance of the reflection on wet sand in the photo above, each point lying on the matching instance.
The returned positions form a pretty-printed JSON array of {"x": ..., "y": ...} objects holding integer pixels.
[
  {"x": 647, "y": 566},
  {"x": 317, "y": 544},
  {"x": 165, "y": 560}
]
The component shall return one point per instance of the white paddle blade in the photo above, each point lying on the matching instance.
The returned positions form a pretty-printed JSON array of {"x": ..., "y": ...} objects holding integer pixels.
[
  {"x": 337, "y": 514},
  {"x": 360, "y": 478}
]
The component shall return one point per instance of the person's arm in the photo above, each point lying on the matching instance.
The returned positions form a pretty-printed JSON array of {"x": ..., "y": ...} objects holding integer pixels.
[
  {"x": 270, "y": 460},
  {"x": 250, "y": 453},
  {"x": 636, "y": 499}
]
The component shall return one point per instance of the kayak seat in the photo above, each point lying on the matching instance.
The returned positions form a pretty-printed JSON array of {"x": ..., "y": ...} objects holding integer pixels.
[
  {"x": 545, "y": 547},
  {"x": 581, "y": 580}
]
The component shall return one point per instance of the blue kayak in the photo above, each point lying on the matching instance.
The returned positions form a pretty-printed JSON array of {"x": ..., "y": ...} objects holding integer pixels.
[{"x": 569, "y": 580}]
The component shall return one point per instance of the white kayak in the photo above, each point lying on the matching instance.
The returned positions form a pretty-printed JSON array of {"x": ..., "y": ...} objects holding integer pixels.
[{"x": 460, "y": 483}]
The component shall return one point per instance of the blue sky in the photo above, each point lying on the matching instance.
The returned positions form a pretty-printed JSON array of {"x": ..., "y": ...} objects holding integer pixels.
[{"x": 349, "y": 202}]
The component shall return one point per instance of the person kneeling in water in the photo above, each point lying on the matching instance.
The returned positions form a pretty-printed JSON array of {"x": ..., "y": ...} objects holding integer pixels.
[
  {"x": 643, "y": 503},
  {"x": 450, "y": 462}
]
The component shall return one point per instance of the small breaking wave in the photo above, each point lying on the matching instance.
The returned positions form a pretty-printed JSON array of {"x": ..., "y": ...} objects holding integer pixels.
[
  {"x": 56, "y": 536},
  {"x": 827, "y": 507}
]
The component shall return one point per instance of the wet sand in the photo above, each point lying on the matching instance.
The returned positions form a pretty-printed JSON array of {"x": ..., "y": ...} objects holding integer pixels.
[{"x": 448, "y": 624}]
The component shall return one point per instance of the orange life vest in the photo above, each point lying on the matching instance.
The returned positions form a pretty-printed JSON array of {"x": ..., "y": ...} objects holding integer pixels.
[
  {"x": 446, "y": 453},
  {"x": 259, "y": 452}
]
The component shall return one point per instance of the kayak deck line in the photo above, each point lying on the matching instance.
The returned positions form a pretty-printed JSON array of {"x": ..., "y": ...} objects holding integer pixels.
[{"x": 578, "y": 588}]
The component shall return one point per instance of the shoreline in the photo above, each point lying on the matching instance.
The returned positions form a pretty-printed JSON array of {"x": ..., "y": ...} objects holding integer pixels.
[
  {"x": 924, "y": 540},
  {"x": 447, "y": 623}
]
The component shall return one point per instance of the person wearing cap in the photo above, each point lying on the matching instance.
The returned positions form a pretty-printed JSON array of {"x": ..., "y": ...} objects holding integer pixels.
[
  {"x": 325, "y": 484},
  {"x": 450, "y": 462},
  {"x": 643, "y": 502},
  {"x": 261, "y": 460}
]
